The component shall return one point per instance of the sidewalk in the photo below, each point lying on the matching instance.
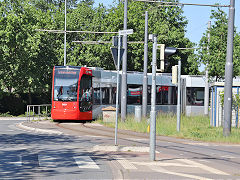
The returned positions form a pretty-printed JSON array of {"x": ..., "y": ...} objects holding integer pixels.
[{"x": 13, "y": 118}]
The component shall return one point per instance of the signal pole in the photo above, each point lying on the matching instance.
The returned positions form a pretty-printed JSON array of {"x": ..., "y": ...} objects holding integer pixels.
[
  {"x": 179, "y": 97},
  {"x": 153, "y": 100},
  {"x": 145, "y": 77},
  {"x": 124, "y": 68},
  {"x": 206, "y": 94},
  {"x": 117, "y": 95},
  {"x": 229, "y": 73}
]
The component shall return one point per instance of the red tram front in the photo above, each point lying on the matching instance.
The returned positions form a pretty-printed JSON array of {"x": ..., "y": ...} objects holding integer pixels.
[{"x": 71, "y": 93}]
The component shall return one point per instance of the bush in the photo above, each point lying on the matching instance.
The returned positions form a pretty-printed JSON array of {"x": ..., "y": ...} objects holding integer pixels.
[
  {"x": 16, "y": 104},
  {"x": 11, "y": 104}
]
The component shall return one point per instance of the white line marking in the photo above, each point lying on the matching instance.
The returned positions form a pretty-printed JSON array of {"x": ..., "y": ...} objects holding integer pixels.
[
  {"x": 162, "y": 164},
  {"x": 134, "y": 139},
  {"x": 18, "y": 163},
  {"x": 47, "y": 161},
  {"x": 126, "y": 164},
  {"x": 161, "y": 170},
  {"x": 229, "y": 156},
  {"x": 17, "y": 148},
  {"x": 91, "y": 136},
  {"x": 122, "y": 148},
  {"x": 202, "y": 166},
  {"x": 85, "y": 162}
]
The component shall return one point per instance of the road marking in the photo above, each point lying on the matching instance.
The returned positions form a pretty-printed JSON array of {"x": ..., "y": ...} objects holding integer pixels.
[
  {"x": 47, "y": 161},
  {"x": 126, "y": 164},
  {"x": 229, "y": 156},
  {"x": 91, "y": 136},
  {"x": 134, "y": 139},
  {"x": 161, "y": 170},
  {"x": 85, "y": 162},
  {"x": 202, "y": 166},
  {"x": 121, "y": 148},
  {"x": 93, "y": 124},
  {"x": 17, "y": 163},
  {"x": 157, "y": 163},
  {"x": 17, "y": 148}
]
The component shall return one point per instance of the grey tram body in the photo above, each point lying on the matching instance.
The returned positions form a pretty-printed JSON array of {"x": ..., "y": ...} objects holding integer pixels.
[{"x": 105, "y": 82}]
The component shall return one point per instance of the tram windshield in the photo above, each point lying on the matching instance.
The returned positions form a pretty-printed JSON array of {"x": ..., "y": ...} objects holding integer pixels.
[{"x": 66, "y": 84}]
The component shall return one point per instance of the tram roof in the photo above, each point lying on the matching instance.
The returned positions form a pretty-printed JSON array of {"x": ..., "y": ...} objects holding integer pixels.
[{"x": 133, "y": 78}]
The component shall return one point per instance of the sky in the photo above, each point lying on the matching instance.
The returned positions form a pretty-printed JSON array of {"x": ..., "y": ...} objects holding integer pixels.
[{"x": 198, "y": 16}]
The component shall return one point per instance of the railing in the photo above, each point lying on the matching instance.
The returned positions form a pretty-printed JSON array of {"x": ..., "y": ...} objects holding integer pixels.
[{"x": 38, "y": 112}]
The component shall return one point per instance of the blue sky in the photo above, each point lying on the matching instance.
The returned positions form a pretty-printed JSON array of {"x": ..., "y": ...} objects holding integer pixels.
[{"x": 198, "y": 16}]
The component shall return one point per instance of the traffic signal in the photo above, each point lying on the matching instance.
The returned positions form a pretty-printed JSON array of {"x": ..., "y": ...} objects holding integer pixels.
[
  {"x": 115, "y": 41},
  {"x": 175, "y": 74},
  {"x": 165, "y": 52}
]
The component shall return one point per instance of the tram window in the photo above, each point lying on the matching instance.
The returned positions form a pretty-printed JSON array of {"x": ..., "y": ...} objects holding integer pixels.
[
  {"x": 65, "y": 85},
  {"x": 165, "y": 95},
  {"x": 162, "y": 95},
  {"x": 149, "y": 92},
  {"x": 105, "y": 95},
  {"x": 134, "y": 95},
  {"x": 195, "y": 96},
  {"x": 109, "y": 95},
  {"x": 85, "y": 93},
  {"x": 114, "y": 94},
  {"x": 96, "y": 96}
]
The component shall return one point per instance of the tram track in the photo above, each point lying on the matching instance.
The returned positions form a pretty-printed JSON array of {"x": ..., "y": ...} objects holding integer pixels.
[{"x": 179, "y": 145}]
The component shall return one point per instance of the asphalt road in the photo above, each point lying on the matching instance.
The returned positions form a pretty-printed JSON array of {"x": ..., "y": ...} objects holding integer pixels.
[
  {"x": 27, "y": 155},
  {"x": 46, "y": 150}
]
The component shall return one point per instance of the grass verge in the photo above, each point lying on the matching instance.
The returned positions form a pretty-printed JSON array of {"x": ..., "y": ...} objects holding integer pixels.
[{"x": 195, "y": 128}]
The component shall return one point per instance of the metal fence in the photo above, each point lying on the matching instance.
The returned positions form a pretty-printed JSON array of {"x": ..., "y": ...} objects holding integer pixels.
[{"x": 37, "y": 112}]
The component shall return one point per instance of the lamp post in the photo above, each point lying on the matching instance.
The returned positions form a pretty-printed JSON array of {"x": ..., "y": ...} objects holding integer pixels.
[{"x": 65, "y": 34}]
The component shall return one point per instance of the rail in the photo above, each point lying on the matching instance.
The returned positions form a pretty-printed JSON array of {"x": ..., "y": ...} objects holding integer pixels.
[{"x": 42, "y": 111}]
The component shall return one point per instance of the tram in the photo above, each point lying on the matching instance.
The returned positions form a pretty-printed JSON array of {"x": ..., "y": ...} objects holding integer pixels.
[
  {"x": 71, "y": 93},
  {"x": 80, "y": 93}
]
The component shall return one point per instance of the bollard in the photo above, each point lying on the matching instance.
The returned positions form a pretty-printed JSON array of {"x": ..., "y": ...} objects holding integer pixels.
[{"x": 138, "y": 113}]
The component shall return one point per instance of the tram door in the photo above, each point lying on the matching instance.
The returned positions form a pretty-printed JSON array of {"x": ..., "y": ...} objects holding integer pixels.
[{"x": 85, "y": 93}]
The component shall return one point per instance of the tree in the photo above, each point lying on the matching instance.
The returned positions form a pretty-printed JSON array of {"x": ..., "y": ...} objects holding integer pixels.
[
  {"x": 167, "y": 22},
  {"x": 215, "y": 59},
  {"x": 26, "y": 54}
]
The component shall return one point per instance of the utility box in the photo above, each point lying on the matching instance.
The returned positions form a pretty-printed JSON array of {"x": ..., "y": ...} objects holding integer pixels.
[
  {"x": 138, "y": 113},
  {"x": 109, "y": 114}
]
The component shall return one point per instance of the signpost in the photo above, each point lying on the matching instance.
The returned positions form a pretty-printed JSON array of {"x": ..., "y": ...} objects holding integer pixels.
[
  {"x": 121, "y": 33},
  {"x": 125, "y": 32},
  {"x": 114, "y": 52}
]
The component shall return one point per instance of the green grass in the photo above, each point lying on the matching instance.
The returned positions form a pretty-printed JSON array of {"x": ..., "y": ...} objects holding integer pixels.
[
  {"x": 194, "y": 127},
  {"x": 7, "y": 114}
]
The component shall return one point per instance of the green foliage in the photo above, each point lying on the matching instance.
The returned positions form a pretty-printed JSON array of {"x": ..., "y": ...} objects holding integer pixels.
[
  {"x": 235, "y": 100},
  {"x": 216, "y": 58},
  {"x": 28, "y": 55},
  {"x": 6, "y": 114}
]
